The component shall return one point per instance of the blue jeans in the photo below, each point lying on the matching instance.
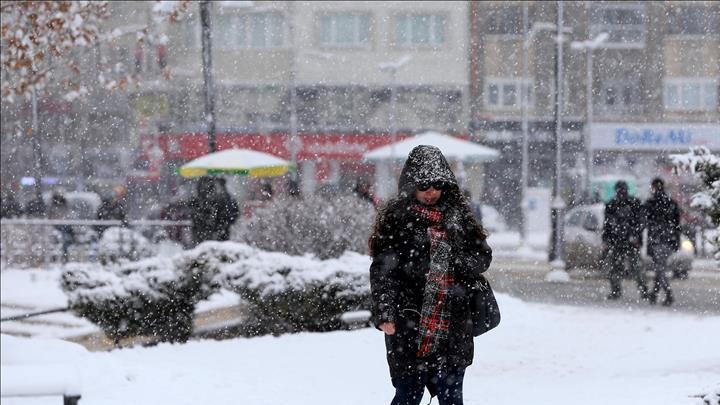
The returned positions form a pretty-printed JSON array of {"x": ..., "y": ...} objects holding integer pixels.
[{"x": 448, "y": 385}]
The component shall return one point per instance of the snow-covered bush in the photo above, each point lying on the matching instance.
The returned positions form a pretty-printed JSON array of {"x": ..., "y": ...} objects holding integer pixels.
[
  {"x": 291, "y": 293},
  {"x": 117, "y": 243},
  {"x": 151, "y": 297},
  {"x": 706, "y": 167},
  {"x": 325, "y": 226},
  {"x": 157, "y": 296}
]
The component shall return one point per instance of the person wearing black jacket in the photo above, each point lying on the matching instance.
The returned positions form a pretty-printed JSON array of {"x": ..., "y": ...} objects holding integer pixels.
[
  {"x": 428, "y": 255},
  {"x": 212, "y": 211},
  {"x": 663, "y": 237},
  {"x": 622, "y": 239}
]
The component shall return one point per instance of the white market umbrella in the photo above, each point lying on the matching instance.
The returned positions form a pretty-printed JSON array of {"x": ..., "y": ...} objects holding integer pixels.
[
  {"x": 240, "y": 162},
  {"x": 453, "y": 148}
]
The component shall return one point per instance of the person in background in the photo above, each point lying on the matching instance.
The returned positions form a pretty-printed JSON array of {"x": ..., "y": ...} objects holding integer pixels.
[
  {"x": 663, "y": 236},
  {"x": 229, "y": 209},
  {"x": 266, "y": 191},
  {"x": 58, "y": 210},
  {"x": 362, "y": 190},
  {"x": 113, "y": 208},
  {"x": 213, "y": 211},
  {"x": 9, "y": 207},
  {"x": 178, "y": 209},
  {"x": 428, "y": 254},
  {"x": 622, "y": 239},
  {"x": 36, "y": 208}
]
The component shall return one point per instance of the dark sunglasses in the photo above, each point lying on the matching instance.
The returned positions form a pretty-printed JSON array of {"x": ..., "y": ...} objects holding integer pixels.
[{"x": 438, "y": 185}]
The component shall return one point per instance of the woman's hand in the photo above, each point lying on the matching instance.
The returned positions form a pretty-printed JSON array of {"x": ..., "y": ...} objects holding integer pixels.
[{"x": 388, "y": 328}]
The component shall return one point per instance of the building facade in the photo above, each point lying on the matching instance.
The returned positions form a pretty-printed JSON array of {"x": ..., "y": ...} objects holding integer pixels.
[
  {"x": 361, "y": 72},
  {"x": 655, "y": 86}
]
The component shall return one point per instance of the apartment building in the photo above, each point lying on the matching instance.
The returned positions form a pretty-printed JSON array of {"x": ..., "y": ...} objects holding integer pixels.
[
  {"x": 655, "y": 86},
  {"x": 349, "y": 63}
]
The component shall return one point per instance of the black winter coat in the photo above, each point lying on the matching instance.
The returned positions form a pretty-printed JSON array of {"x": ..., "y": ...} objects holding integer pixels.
[
  {"x": 401, "y": 257},
  {"x": 624, "y": 222},
  {"x": 212, "y": 217},
  {"x": 663, "y": 223},
  {"x": 397, "y": 277}
]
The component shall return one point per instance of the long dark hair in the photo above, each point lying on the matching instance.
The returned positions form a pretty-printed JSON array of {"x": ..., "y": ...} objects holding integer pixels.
[{"x": 453, "y": 203}]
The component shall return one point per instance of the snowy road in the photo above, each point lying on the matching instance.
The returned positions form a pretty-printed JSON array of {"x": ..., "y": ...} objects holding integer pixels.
[{"x": 699, "y": 294}]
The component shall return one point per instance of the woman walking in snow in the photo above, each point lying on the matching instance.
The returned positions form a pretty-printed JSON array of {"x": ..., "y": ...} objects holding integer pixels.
[{"x": 428, "y": 254}]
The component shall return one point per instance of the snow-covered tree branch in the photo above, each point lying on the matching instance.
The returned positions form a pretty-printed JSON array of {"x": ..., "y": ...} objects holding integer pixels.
[
  {"x": 41, "y": 37},
  {"x": 706, "y": 167}
]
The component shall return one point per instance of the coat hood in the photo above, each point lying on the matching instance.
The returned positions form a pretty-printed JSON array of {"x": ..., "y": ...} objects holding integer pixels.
[{"x": 425, "y": 164}]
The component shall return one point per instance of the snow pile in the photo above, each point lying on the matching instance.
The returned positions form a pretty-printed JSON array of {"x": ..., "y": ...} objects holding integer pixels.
[
  {"x": 40, "y": 367},
  {"x": 540, "y": 354},
  {"x": 157, "y": 296}
]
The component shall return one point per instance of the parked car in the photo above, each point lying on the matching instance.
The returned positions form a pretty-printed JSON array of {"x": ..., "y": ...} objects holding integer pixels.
[{"x": 583, "y": 243}]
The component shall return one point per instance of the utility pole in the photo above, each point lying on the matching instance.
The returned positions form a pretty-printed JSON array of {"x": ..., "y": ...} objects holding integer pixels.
[
  {"x": 37, "y": 149},
  {"x": 589, "y": 47},
  {"x": 208, "y": 89},
  {"x": 293, "y": 141},
  {"x": 524, "y": 113},
  {"x": 558, "y": 205},
  {"x": 392, "y": 68}
]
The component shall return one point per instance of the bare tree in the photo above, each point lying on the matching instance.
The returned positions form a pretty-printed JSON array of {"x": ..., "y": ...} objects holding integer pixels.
[{"x": 42, "y": 39}]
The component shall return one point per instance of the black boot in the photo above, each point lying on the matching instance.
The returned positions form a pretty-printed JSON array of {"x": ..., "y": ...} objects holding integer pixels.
[
  {"x": 614, "y": 295},
  {"x": 652, "y": 297},
  {"x": 668, "y": 299}
]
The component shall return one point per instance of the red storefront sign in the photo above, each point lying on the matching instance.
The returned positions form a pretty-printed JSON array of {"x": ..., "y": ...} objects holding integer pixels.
[{"x": 342, "y": 147}]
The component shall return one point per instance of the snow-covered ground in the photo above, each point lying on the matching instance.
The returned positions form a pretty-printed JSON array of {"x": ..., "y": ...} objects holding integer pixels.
[{"x": 540, "y": 354}]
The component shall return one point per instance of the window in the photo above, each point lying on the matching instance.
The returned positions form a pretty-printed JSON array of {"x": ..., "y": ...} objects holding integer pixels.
[
  {"x": 693, "y": 20},
  {"x": 621, "y": 95},
  {"x": 505, "y": 20},
  {"x": 504, "y": 93},
  {"x": 257, "y": 30},
  {"x": 420, "y": 29},
  {"x": 685, "y": 93},
  {"x": 624, "y": 23},
  {"x": 345, "y": 30},
  {"x": 576, "y": 219}
]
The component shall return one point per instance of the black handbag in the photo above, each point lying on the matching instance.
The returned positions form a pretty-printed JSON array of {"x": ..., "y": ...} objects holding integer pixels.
[{"x": 484, "y": 309}]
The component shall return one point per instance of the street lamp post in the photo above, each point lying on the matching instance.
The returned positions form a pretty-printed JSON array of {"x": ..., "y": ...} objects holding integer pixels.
[
  {"x": 524, "y": 100},
  {"x": 293, "y": 137},
  {"x": 392, "y": 68},
  {"x": 558, "y": 205},
  {"x": 208, "y": 89},
  {"x": 37, "y": 147},
  {"x": 589, "y": 46}
]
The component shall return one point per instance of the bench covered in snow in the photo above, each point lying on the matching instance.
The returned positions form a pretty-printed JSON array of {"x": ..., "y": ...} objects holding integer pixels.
[{"x": 34, "y": 368}]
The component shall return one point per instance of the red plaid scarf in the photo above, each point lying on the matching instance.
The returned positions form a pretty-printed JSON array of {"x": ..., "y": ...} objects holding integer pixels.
[{"x": 435, "y": 314}]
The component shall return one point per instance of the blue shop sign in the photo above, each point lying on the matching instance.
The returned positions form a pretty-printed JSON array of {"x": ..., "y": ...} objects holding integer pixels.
[
  {"x": 648, "y": 136},
  {"x": 670, "y": 137}
]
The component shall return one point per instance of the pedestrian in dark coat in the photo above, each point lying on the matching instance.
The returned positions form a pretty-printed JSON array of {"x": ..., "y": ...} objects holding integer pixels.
[
  {"x": 663, "y": 237},
  {"x": 622, "y": 238},
  {"x": 9, "y": 207},
  {"x": 113, "y": 208},
  {"x": 35, "y": 208},
  {"x": 229, "y": 210},
  {"x": 213, "y": 211},
  {"x": 428, "y": 254},
  {"x": 59, "y": 210}
]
